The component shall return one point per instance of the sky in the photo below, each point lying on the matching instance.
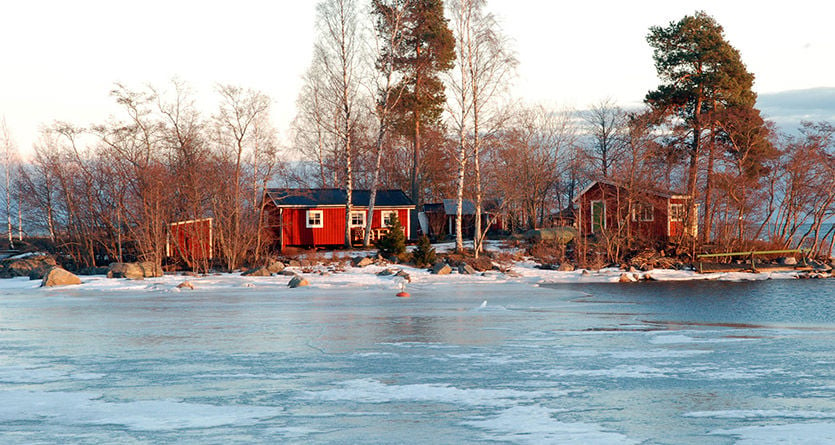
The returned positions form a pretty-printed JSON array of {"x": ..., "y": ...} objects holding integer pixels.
[{"x": 60, "y": 59}]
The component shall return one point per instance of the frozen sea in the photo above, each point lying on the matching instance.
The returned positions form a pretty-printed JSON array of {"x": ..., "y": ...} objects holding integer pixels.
[{"x": 249, "y": 361}]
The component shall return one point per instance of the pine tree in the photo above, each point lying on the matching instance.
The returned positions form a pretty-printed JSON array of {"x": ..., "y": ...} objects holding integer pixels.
[
  {"x": 701, "y": 74},
  {"x": 426, "y": 49},
  {"x": 424, "y": 253},
  {"x": 394, "y": 242}
]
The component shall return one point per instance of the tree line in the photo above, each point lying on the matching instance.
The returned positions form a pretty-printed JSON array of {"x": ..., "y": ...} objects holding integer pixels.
[{"x": 414, "y": 94}]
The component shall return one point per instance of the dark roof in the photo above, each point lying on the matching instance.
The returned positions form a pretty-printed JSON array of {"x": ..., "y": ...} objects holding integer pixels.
[
  {"x": 451, "y": 207},
  {"x": 336, "y": 197},
  {"x": 643, "y": 189}
]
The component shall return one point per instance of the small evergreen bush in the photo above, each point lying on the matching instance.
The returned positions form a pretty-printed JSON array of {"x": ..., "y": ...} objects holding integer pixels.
[
  {"x": 392, "y": 243},
  {"x": 424, "y": 254}
]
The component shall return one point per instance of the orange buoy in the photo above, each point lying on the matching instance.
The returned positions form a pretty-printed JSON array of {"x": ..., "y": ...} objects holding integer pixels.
[{"x": 403, "y": 294}]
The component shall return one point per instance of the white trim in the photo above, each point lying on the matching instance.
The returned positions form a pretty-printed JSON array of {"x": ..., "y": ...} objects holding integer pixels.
[
  {"x": 310, "y": 213},
  {"x": 591, "y": 214},
  {"x": 408, "y": 227},
  {"x": 638, "y": 212},
  {"x": 383, "y": 214},
  {"x": 681, "y": 218},
  {"x": 357, "y": 212}
]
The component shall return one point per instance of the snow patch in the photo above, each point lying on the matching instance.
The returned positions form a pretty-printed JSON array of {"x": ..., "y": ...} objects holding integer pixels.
[
  {"x": 536, "y": 424},
  {"x": 79, "y": 408},
  {"x": 795, "y": 434}
]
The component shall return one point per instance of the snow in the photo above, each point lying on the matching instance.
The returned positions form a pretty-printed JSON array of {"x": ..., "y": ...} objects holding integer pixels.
[{"x": 795, "y": 434}]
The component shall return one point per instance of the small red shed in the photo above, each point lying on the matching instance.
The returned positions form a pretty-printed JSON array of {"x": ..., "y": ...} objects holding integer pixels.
[
  {"x": 648, "y": 214},
  {"x": 190, "y": 240},
  {"x": 316, "y": 217}
]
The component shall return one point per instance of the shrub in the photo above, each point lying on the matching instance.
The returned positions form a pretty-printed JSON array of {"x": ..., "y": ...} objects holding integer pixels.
[
  {"x": 424, "y": 254},
  {"x": 394, "y": 242}
]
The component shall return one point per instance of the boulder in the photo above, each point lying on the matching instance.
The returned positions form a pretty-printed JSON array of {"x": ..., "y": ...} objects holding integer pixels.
[
  {"x": 185, "y": 285},
  {"x": 385, "y": 273},
  {"x": 361, "y": 261},
  {"x": 297, "y": 281},
  {"x": 294, "y": 263},
  {"x": 262, "y": 271},
  {"x": 275, "y": 266},
  {"x": 625, "y": 278},
  {"x": 441, "y": 269},
  {"x": 59, "y": 277},
  {"x": 788, "y": 261},
  {"x": 131, "y": 271},
  {"x": 35, "y": 266},
  {"x": 287, "y": 273},
  {"x": 466, "y": 269},
  {"x": 150, "y": 269},
  {"x": 566, "y": 267}
]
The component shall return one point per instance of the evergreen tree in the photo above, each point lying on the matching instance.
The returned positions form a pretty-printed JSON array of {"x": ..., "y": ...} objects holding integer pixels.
[
  {"x": 424, "y": 253},
  {"x": 394, "y": 242},
  {"x": 426, "y": 49},
  {"x": 701, "y": 74}
]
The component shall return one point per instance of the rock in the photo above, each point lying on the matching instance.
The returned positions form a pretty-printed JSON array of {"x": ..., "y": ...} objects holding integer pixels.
[
  {"x": 632, "y": 269},
  {"x": 403, "y": 274},
  {"x": 257, "y": 272},
  {"x": 35, "y": 266},
  {"x": 287, "y": 273},
  {"x": 441, "y": 269},
  {"x": 275, "y": 266},
  {"x": 297, "y": 281},
  {"x": 649, "y": 277},
  {"x": 585, "y": 272},
  {"x": 625, "y": 278},
  {"x": 185, "y": 285},
  {"x": 131, "y": 271},
  {"x": 788, "y": 261},
  {"x": 566, "y": 267},
  {"x": 294, "y": 263},
  {"x": 59, "y": 277},
  {"x": 361, "y": 261},
  {"x": 466, "y": 269},
  {"x": 385, "y": 273},
  {"x": 150, "y": 269}
]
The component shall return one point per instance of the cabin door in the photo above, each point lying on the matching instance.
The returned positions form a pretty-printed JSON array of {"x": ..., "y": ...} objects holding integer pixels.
[{"x": 598, "y": 216}]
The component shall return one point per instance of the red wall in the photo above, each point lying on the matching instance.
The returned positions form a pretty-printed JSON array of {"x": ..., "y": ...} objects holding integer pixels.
[
  {"x": 616, "y": 209},
  {"x": 332, "y": 232}
]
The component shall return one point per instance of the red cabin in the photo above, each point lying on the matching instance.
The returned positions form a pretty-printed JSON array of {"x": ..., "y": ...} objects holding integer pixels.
[
  {"x": 316, "y": 217},
  {"x": 190, "y": 240},
  {"x": 652, "y": 215}
]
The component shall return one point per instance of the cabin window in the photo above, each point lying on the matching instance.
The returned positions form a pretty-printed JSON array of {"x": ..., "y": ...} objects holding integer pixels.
[
  {"x": 598, "y": 216},
  {"x": 643, "y": 212},
  {"x": 314, "y": 219},
  {"x": 357, "y": 219},
  {"x": 676, "y": 212},
  {"x": 387, "y": 216}
]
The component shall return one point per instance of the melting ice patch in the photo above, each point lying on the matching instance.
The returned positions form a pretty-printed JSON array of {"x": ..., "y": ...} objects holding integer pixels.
[
  {"x": 79, "y": 408},
  {"x": 761, "y": 414},
  {"x": 536, "y": 424},
  {"x": 372, "y": 391},
  {"x": 795, "y": 434}
]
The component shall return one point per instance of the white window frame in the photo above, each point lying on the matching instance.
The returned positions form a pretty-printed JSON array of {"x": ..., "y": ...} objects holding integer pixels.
[
  {"x": 384, "y": 214},
  {"x": 680, "y": 218},
  {"x": 591, "y": 214},
  {"x": 639, "y": 212},
  {"x": 355, "y": 213},
  {"x": 316, "y": 214}
]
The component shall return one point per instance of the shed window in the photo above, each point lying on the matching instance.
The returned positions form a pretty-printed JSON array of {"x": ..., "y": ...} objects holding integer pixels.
[
  {"x": 676, "y": 212},
  {"x": 314, "y": 219},
  {"x": 387, "y": 216},
  {"x": 357, "y": 219},
  {"x": 643, "y": 212}
]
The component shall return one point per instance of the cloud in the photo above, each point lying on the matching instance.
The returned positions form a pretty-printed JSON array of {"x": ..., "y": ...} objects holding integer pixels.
[{"x": 788, "y": 108}]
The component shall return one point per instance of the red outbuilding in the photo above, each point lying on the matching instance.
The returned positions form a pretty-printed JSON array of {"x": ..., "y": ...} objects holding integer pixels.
[
  {"x": 652, "y": 215},
  {"x": 190, "y": 240},
  {"x": 316, "y": 217}
]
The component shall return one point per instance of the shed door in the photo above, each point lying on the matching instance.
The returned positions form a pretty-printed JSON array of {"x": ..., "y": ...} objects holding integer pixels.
[{"x": 598, "y": 216}]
